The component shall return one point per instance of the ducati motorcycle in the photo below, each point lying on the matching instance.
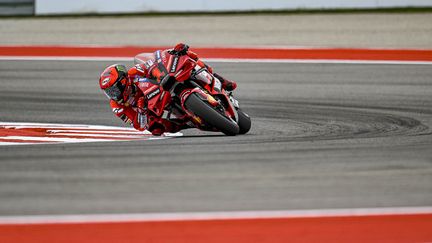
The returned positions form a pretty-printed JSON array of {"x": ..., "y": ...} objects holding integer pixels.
[{"x": 189, "y": 94}]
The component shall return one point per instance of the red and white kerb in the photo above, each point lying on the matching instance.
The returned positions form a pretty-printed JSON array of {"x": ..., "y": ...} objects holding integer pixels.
[{"x": 14, "y": 133}]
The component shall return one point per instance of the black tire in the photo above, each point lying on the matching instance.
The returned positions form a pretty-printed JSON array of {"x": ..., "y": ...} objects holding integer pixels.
[
  {"x": 211, "y": 116},
  {"x": 244, "y": 122}
]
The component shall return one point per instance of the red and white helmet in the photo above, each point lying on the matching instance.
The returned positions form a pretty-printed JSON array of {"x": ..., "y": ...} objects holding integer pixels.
[{"x": 114, "y": 82}]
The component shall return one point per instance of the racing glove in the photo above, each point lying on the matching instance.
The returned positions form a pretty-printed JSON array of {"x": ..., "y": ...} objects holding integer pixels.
[
  {"x": 228, "y": 85},
  {"x": 181, "y": 49}
]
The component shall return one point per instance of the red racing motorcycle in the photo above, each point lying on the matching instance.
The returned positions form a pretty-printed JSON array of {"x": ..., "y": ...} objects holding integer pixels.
[{"x": 189, "y": 94}]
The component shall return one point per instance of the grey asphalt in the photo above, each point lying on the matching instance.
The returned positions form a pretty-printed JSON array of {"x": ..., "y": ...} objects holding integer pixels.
[{"x": 323, "y": 136}]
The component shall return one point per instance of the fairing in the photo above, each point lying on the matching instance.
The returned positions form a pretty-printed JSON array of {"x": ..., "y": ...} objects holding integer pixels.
[{"x": 184, "y": 68}]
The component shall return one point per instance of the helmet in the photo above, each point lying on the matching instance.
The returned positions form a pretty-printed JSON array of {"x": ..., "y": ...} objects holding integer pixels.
[{"x": 113, "y": 81}]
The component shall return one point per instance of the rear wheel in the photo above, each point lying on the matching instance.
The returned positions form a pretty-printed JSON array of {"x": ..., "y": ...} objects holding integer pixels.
[
  {"x": 210, "y": 116},
  {"x": 244, "y": 122}
]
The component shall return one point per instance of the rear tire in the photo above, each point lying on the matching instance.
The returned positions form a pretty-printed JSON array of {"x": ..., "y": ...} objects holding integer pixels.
[
  {"x": 210, "y": 116},
  {"x": 244, "y": 122}
]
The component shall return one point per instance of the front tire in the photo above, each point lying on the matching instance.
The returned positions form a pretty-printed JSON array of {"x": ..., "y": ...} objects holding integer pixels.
[
  {"x": 244, "y": 122},
  {"x": 210, "y": 116}
]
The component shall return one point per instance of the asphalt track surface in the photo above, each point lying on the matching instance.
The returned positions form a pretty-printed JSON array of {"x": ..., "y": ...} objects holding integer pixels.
[{"x": 323, "y": 136}]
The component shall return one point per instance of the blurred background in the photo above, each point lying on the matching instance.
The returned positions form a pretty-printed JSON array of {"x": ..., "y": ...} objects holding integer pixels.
[
  {"x": 54, "y": 7},
  {"x": 396, "y": 24}
]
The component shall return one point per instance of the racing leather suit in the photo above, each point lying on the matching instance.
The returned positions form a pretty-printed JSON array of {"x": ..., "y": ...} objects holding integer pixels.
[{"x": 130, "y": 113}]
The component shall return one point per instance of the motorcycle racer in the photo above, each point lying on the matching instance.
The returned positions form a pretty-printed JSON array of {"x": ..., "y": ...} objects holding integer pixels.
[{"x": 125, "y": 89}]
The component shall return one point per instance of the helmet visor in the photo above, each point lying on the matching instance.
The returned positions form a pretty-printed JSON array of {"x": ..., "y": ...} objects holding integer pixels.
[{"x": 115, "y": 92}]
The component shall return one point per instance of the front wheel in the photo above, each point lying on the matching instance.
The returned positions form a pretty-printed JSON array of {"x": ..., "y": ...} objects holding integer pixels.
[
  {"x": 244, "y": 122},
  {"x": 210, "y": 116}
]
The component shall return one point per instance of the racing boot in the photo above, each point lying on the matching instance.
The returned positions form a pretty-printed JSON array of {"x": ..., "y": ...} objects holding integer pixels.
[
  {"x": 157, "y": 129},
  {"x": 228, "y": 85}
]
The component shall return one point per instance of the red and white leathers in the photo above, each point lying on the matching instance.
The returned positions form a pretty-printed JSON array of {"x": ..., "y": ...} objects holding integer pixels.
[{"x": 128, "y": 110}]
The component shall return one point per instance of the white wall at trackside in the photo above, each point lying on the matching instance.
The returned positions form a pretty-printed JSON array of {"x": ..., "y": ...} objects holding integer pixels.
[{"x": 46, "y": 7}]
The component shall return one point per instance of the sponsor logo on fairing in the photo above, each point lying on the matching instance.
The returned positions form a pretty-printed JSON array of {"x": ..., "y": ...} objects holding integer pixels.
[
  {"x": 174, "y": 64},
  {"x": 153, "y": 94}
]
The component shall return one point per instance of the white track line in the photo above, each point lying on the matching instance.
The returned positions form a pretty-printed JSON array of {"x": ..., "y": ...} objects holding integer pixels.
[
  {"x": 98, "y": 132},
  {"x": 19, "y": 125},
  {"x": 96, "y": 135},
  {"x": 225, "y": 60},
  {"x": 12, "y": 143},
  {"x": 151, "y": 217},
  {"x": 55, "y": 139}
]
